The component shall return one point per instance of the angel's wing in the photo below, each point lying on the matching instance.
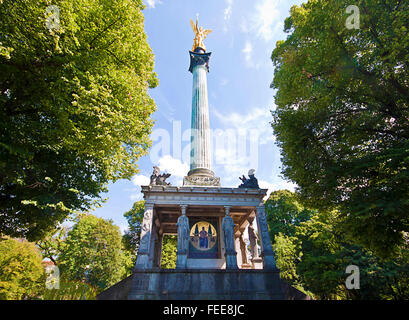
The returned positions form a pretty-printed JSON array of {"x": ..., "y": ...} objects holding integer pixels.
[
  {"x": 206, "y": 32},
  {"x": 194, "y": 28}
]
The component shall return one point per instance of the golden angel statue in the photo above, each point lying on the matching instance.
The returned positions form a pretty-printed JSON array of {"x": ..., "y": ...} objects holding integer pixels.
[{"x": 200, "y": 35}]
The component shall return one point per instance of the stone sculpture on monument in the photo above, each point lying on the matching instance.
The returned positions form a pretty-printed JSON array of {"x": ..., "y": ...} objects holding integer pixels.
[
  {"x": 183, "y": 239},
  {"x": 159, "y": 179},
  {"x": 251, "y": 182}
]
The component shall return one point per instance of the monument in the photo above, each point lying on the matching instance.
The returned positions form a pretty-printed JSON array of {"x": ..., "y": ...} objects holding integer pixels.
[{"x": 213, "y": 260}]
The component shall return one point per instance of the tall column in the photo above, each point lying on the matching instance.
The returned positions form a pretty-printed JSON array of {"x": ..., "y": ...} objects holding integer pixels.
[
  {"x": 228, "y": 237},
  {"x": 142, "y": 260},
  {"x": 266, "y": 248},
  {"x": 200, "y": 153},
  {"x": 200, "y": 136},
  {"x": 183, "y": 239}
]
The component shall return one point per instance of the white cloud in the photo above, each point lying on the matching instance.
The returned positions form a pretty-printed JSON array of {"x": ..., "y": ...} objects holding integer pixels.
[
  {"x": 267, "y": 15},
  {"x": 265, "y": 21},
  {"x": 247, "y": 51},
  {"x": 152, "y": 3},
  {"x": 166, "y": 164},
  {"x": 173, "y": 166},
  {"x": 140, "y": 180}
]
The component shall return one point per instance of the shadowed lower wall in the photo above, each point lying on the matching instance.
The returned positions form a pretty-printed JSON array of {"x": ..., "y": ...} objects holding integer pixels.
[{"x": 202, "y": 285}]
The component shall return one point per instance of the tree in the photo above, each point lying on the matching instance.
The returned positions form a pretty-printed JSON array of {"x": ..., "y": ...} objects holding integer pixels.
[
  {"x": 314, "y": 255},
  {"x": 93, "y": 253},
  {"x": 74, "y": 106},
  {"x": 169, "y": 249},
  {"x": 51, "y": 246},
  {"x": 284, "y": 212},
  {"x": 342, "y": 115},
  {"x": 22, "y": 275},
  {"x": 133, "y": 233}
]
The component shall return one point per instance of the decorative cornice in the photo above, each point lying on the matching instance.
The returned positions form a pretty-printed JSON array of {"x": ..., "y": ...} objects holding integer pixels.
[{"x": 203, "y": 189}]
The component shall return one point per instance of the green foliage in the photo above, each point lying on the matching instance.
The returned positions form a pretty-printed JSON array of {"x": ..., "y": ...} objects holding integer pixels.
[
  {"x": 71, "y": 290},
  {"x": 51, "y": 245},
  {"x": 132, "y": 234},
  {"x": 342, "y": 115},
  {"x": 169, "y": 249},
  {"x": 284, "y": 212},
  {"x": 94, "y": 246},
  {"x": 74, "y": 107},
  {"x": 314, "y": 257},
  {"x": 21, "y": 272}
]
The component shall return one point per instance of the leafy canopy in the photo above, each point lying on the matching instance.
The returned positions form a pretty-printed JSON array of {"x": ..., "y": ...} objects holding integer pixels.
[
  {"x": 342, "y": 115},
  {"x": 22, "y": 275},
  {"x": 284, "y": 212},
  {"x": 74, "y": 106},
  {"x": 93, "y": 252},
  {"x": 314, "y": 254}
]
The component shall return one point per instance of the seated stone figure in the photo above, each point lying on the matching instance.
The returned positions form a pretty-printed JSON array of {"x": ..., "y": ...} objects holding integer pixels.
[
  {"x": 159, "y": 179},
  {"x": 251, "y": 182}
]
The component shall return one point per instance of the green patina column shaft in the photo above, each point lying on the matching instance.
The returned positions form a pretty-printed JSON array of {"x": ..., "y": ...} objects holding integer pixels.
[{"x": 200, "y": 154}]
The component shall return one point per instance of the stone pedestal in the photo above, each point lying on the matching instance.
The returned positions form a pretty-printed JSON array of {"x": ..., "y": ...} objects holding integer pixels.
[{"x": 202, "y": 285}]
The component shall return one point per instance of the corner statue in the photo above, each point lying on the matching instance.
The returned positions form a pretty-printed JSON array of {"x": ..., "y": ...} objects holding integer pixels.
[
  {"x": 200, "y": 35},
  {"x": 159, "y": 179},
  {"x": 251, "y": 182}
]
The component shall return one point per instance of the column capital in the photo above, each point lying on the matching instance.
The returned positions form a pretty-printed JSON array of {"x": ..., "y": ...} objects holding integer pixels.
[
  {"x": 183, "y": 207},
  {"x": 199, "y": 59},
  {"x": 227, "y": 210}
]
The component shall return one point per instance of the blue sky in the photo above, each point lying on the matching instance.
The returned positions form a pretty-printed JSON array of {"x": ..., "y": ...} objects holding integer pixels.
[{"x": 240, "y": 99}]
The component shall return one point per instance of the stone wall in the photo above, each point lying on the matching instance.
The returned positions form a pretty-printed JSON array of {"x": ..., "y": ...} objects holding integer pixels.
[{"x": 202, "y": 285}]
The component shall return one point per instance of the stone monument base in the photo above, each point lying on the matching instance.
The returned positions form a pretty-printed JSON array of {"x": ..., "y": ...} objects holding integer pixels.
[{"x": 173, "y": 284}]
